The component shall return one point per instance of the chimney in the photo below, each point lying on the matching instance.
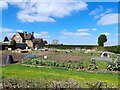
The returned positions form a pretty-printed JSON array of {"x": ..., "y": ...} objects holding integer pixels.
[
  {"x": 25, "y": 33},
  {"x": 33, "y": 33}
]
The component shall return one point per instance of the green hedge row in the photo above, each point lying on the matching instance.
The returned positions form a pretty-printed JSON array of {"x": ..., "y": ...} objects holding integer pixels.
[
  {"x": 70, "y": 46},
  {"x": 115, "y": 49}
]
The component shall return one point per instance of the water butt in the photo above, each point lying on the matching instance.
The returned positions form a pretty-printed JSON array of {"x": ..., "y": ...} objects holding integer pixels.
[{"x": 9, "y": 59}]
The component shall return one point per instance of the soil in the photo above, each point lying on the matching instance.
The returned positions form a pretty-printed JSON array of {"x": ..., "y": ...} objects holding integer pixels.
[{"x": 66, "y": 57}]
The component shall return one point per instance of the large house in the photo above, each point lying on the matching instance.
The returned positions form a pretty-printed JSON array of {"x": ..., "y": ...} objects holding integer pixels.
[{"x": 29, "y": 39}]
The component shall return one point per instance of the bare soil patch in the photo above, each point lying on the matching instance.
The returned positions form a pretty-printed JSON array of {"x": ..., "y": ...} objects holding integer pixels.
[
  {"x": 66, "y": 58},
  {"x": 41, "y": 53}
]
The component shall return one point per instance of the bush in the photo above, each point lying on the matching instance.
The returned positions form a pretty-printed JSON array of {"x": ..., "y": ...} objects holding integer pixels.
[
  {"x": 98, "y": 85},
  {"x": 92, "y": 65},
  {"x": 113, "y": 67}
]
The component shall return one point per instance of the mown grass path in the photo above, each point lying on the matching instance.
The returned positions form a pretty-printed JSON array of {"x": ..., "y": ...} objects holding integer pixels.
[{"x": 50, "y": 74}]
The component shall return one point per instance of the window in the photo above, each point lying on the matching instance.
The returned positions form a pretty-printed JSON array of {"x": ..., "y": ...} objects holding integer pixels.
[{"x": 17, "y": 40}]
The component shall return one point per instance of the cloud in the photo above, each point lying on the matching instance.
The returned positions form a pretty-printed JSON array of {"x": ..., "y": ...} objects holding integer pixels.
[
  {"x": 94, "y": 29},
  {"x": 83, "y": 30},
  {"x": 24, "y": 17},
  {"x": 3, "y": 5},
  {"x": 5, "y": 30},
  {"x": 100, "y": 11},
  {"x": 98, "y": 16},
  {"x": 109, "y": 19},
  {"x": 42, "y": 35},
  {"x": 47, "y": 11},
  {"x": 20, "y": 30},
  {"x": 109, "y": 10},
  {"x": 77, "y": 33},
  {"x": 97, "y": 10},
  {"x": 107, "y": 34}
]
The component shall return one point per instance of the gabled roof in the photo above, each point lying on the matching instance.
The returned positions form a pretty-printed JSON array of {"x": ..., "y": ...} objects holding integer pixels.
[
  {"x": 37, "y": 40},
  {"x": 27, "y": 37},
  {"x": 21, "y": 34}
]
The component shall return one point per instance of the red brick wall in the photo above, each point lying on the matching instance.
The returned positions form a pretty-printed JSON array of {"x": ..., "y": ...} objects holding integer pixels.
[{"x": 17, "y": 38}]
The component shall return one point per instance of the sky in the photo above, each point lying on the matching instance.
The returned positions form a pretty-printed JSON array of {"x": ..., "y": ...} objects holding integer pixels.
[{"x": 78, "y": 23}]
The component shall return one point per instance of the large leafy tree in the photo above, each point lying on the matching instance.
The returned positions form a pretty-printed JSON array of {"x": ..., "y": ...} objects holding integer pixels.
[
  {"x": 102, "y": 39},
  {"x": 6, "y": 39}
]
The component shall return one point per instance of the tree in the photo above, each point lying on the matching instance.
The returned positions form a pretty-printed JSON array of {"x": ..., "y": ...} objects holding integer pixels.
[
  {"x": 45, "y": 42},
  {"x": 55, "y": 42},
  {"x": 6, "y": 39},
  {"x": 102, "y": 39},
  {"x": 13, "y": 43}
]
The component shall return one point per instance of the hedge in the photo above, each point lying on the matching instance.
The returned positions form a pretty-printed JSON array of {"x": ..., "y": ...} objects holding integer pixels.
[
  {"x": 115, "y": 49},
  {"x": 70, "y": 46}
]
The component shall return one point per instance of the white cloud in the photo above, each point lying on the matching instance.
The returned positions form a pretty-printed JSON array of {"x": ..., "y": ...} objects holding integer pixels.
[
  {"x": 108, "y": 19},
  {"x": 20, "y": 30},
  {"x": 83, "y": 30},
  {"x": 42, "y": 35},
  {"x": 100, "y": 11},
  {"x": 47, "y": 11},
  {"x": 107, "y": 34},
  {"x": 75, "y": 34},
  {"x": 5, "y": 30},
  {"x": 24, "y": 17},
  {"x": 109, "y": 10},
  {"x": 98, "y": 16},
  {"x": 3, "y": 5},
  {"x": 94, "y": 29},
  {"x": 97, "y": 10}
]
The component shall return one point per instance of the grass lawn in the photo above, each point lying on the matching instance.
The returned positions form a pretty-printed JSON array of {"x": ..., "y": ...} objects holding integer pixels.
[{"x": 50, "y": 74}]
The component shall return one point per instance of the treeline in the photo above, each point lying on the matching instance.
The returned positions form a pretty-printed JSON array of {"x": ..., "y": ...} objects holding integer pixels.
[
  {"x": 115, "y": 49},
  {"x": 70, "y": 46}
]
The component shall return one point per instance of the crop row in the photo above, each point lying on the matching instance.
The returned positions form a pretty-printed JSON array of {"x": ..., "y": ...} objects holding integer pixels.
[{"x": 67, "y": 64}]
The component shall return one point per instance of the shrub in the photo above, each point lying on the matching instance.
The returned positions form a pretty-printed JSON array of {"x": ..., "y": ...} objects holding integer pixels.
[
  {"x": 98, "y": 85},
  {"x": 113, "y": 67}
]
